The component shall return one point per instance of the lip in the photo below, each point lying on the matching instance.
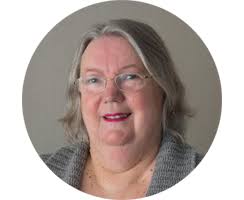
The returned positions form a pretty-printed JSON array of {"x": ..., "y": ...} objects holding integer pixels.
[{"x": 115, "y": 114}]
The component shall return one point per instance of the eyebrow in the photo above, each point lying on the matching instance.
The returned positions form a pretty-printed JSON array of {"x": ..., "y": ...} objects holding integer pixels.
[{"x": 90, "y": 68}]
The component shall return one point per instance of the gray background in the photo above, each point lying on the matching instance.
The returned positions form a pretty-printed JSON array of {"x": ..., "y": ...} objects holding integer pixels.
[{"x": 47, "y": 73}]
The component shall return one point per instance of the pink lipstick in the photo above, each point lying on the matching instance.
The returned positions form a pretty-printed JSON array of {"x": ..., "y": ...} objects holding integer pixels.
[{"x": 116, "y": 117}]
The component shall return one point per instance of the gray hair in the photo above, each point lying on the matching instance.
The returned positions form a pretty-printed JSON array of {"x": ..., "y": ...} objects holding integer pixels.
[{"x": 156, "y": 59}]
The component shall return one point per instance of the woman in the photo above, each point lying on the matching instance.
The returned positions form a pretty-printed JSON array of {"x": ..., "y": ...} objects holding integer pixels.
[{"x": 125, "y": 115}]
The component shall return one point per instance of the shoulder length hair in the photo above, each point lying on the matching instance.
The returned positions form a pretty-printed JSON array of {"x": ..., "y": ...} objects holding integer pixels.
[{"x": 157, "y": 61}]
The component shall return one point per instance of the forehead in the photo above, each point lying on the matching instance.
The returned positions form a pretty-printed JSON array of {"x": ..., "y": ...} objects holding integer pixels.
[{"x": 109, "y": 51}]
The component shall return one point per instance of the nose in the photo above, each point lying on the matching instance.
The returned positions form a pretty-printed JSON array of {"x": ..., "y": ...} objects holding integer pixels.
[{"x": 112, "y": 93}]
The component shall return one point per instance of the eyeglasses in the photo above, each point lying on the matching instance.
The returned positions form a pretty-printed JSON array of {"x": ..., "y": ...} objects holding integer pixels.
[{"x": 126, "y": 82}]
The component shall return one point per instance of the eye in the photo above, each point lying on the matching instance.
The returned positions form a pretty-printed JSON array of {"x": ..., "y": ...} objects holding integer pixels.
[
  {"x": 92, "y": 80},
  {"x": 130, "y": 77}
]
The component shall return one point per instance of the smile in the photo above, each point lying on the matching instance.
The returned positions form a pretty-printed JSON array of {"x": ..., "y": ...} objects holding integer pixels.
[{"x": 116, "y": 117}]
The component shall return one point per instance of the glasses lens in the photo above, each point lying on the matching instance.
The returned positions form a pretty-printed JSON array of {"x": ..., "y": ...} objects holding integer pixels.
[
  {"x": 130, "y": 82},
  {"x": 93, "y": 84}
]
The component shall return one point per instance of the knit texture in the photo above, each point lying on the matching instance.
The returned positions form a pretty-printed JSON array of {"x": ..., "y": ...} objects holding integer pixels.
[{"x": 173, "y": 163}]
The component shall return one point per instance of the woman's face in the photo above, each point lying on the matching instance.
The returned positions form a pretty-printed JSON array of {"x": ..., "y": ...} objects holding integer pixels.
[{"x": 119, "y": 143}]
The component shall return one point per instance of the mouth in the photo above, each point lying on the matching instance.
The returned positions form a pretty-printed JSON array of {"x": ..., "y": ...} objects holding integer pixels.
[{"x": 116, "y": 117}]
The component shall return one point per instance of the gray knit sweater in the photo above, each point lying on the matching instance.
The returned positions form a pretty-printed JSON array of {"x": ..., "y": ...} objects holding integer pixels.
[{"x": 173, "y": 162}]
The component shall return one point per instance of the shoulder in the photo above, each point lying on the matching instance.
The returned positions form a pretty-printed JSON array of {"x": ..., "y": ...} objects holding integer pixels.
[
  {"x": 180, "y": 152},
  {"x": 186, "y": 154},
  {"x": 174, "y": 162},
  {"x": 62, "y": 154},
  {"x": 61, "y": 160}
]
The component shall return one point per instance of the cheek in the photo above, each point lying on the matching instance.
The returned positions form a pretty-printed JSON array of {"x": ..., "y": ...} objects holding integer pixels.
[
  {"x": 89, "y": 108},
  {"x": 147, "y": 108}
]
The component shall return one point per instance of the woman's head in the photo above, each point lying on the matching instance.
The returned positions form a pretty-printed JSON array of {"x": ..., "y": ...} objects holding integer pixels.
[
  {"x": 120, "y": 108},
  {"x": 120, "y": 47}
]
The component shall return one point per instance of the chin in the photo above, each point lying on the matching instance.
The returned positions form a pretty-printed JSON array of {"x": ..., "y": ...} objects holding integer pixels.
[
  {"x": 120, "y": 158},
  {"x": 116, "y": 138}
]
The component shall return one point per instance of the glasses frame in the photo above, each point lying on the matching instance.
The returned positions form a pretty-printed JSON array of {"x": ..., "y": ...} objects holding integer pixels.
[{"x": 142, "y": 76}]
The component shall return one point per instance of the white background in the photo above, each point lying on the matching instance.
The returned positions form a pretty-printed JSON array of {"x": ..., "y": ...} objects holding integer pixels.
[{"x": 219, "y": 24}]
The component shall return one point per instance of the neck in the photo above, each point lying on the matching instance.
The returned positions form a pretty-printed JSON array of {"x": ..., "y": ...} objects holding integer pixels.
[{"x": 116, "y": 181}]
